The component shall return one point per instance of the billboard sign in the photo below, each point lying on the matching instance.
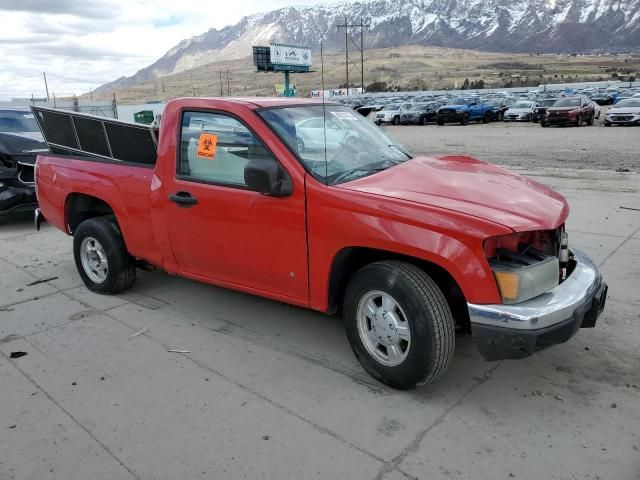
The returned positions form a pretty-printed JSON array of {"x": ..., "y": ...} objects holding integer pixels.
[{"x": 290, "y": 55}]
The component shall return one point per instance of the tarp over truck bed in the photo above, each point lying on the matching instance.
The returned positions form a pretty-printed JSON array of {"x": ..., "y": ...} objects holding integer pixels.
[{"x": 78, "y": 134}]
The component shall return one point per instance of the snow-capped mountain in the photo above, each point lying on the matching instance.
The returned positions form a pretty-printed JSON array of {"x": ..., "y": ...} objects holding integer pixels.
[{"x": 492, "y": 25}]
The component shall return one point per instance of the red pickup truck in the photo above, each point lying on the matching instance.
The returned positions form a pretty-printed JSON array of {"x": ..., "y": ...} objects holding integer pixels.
[{"x": 313, "y": 205}]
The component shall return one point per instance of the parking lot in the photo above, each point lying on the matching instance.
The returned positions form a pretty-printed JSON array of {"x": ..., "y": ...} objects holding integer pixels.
[{"x": 265, "y": 390}]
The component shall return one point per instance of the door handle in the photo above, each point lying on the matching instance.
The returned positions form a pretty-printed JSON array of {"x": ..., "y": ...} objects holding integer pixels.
[{"x": 183, "y": 199}]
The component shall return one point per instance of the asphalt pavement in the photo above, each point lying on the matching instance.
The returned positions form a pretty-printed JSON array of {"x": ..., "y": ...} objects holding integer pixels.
[{"x": 266, "y": 390}]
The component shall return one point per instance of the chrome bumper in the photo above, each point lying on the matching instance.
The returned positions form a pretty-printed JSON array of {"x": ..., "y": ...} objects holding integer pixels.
[{"x": 515, "y": 331}]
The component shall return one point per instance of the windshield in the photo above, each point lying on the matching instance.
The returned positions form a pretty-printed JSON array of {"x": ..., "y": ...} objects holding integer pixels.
[
  {"x": 630, "y": 102},
  {"x": 522, "y": 105},
  {"x": 568, "y": 102},
  {"x": 333, "y": 143},
  {"x": 18, "y": 122},
  {"x": 392, "y": 107}
]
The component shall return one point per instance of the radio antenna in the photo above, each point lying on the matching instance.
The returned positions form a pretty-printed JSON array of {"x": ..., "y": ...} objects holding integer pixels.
[{"x": 324, "y": 115}]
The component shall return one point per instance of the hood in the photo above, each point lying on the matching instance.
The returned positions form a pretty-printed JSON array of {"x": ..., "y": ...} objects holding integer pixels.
[
  {"x": 520, "y": 110},
  {"x": 628, "y": 110},
  {"x": 21, "y": 143},
  {"x": 562, "y": 109},
  {"x": 471, "y": 187}
]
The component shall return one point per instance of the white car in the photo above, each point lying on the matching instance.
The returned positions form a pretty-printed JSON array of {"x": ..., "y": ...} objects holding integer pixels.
[
  {"x": 391, "y": 113},
  {"x": 520, "y": 111},
  {"x": 311, "y": 134},
  {"x": 625, "y": 112}
]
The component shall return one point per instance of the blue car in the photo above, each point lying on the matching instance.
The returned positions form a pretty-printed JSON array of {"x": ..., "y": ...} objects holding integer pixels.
[{"x": 464, "y": 110}]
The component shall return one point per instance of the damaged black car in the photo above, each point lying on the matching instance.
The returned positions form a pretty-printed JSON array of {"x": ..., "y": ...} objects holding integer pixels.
[{"x": 20, "y": 143}]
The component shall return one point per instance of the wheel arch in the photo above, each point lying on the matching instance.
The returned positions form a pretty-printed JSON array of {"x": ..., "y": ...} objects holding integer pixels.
[
  {"x": 351, "y": 259},
  {"x": 81, "y": 206}
]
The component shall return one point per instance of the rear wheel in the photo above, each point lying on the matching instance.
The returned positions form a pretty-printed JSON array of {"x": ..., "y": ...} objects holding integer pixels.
[
  {"x": 101, "y": 256},
  {"x": 486, "y": 118},
  {"x": 543, "y": 123},
  {"x": 399, "y": 324},
  {"x": 440, "y": 122},
  {"x": 465, "y": 119},
  {"x": 579, "y": 121},
  {"x": 591, "y": 120}
]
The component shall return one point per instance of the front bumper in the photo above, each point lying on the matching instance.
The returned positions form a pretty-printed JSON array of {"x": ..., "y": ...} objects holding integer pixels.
[
  {"x": 450, "y": 117},
  {"x": 15, "y": 199},
  {"x": 517, "y": 331},
  {"x": 561, "y": 120},
  {"x": 622, "y": 119}
]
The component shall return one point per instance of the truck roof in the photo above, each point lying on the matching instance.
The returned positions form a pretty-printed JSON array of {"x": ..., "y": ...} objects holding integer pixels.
[{"x": 263, "y": 102}]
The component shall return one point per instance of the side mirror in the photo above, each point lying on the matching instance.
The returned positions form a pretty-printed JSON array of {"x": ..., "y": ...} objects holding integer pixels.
[{"x": 266, "y": 177}]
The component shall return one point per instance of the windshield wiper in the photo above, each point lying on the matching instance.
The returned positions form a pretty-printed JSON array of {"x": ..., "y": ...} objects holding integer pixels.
[
  {"x": 391, "y": 145},
  {"x": 348, "y": 173}
]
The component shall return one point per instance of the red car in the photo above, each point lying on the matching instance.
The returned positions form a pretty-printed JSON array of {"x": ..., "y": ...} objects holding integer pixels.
[
  {"x": 569, "y": 111},
  {"x": 408, "y": 249}
]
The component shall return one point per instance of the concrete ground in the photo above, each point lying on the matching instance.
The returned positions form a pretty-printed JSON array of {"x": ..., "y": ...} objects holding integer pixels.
[{"x": 272, "y": 391}]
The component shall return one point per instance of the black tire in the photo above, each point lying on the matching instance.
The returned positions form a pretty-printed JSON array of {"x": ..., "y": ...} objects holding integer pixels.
[
  {"x": 591, "y": 120},
  {"x": 423, "y": 121},
  {"x": 607, "y": 124},
  {"x": 486, "y": 118},
  {"x": 396, "y": 120},
  {"x": 378, "y": 122},
  {"x": 543, "y": 123},
  {"x": 440, "y": 122},
  {"x": 465, "y": 119},
  {"x": 579, "y": 121},
  {"x": 430, "y": 321},
  {"x": 121, "y": 272}
]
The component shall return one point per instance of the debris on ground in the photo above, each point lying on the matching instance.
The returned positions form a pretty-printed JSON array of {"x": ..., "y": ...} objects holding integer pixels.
[
  {"x": 38, "y": 282},
  {"x": 614, "y": 405},
  {"x": 629, "y": 208},
  {"x": 142, "y": 331},
  {"x": 558, "y": 397},
  {"x": 622, "y": 170},
  {"x": 17, "y": 354},
  {"x": 178, "y": 351}
]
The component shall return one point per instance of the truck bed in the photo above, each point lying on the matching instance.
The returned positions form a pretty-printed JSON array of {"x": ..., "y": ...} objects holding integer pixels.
[{"x": 126, "y": 187}]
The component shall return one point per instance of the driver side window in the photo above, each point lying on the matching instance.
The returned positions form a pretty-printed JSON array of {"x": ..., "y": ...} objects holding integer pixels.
[{"x": 215, "y": 148}]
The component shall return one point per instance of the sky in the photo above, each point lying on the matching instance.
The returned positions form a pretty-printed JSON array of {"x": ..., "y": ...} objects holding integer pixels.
[{"x": 82, "y": 44}]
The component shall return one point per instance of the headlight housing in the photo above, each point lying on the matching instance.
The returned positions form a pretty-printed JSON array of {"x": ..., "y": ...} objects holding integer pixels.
[{"x": 525, "y": 265}]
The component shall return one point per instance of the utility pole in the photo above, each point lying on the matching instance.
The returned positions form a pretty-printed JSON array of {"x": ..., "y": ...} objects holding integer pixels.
[
  {"x": 221, "y": 92},
  {"x": 45, "y": 85},
  {"x": 193, "y": 90},
  {"x": 228, "y": 84},
  {"x": 362, "y": 25}
]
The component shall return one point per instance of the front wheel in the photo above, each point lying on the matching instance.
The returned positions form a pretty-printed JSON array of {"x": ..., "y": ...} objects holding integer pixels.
[
  {"x": 486, "y": 118},
  {"x": 440, "y": 122},
  {"x": 396, "y": 120},
  {"x": 579, "y": 121},
  {"x": 399, "y": 324},
  {"x": 465, "y": 119},
  {"x": 101, "y": 256}
]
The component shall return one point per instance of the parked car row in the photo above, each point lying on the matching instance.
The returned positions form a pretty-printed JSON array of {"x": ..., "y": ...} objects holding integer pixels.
[{"x": 576, "y": 110}]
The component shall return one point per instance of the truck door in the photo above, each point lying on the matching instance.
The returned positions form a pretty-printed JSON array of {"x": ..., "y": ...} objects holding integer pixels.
[{"x": 218, "y": 228}]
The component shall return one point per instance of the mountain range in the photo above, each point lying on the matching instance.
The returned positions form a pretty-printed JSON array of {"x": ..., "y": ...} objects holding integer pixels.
[{"x": 536, "y": 26}]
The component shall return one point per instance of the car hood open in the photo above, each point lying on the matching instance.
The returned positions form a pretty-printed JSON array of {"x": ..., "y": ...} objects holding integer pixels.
[{"x": 472, "y": 187}]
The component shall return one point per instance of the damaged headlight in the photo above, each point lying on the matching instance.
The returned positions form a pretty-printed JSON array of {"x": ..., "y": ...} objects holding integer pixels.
[
  {"x": 519, "y": 281},
  {"x": 526, "y": 265}
]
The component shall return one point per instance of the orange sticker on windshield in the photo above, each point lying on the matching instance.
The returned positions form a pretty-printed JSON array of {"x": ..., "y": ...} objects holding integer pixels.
[{"x": 207, "y": 146}]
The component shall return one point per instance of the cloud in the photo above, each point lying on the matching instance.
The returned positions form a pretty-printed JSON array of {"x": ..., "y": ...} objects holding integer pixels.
[
  {"x": 82, "y": 44},
  {"x": 93, "y": 9}
]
